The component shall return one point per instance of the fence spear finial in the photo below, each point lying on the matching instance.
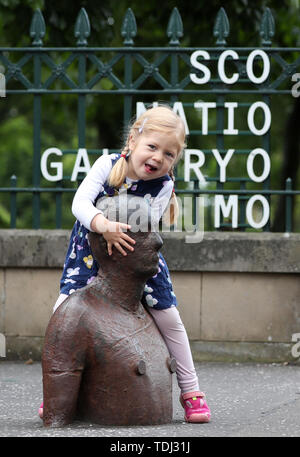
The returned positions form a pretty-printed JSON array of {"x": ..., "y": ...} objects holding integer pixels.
[
  {"x": 175, "y": 27},
  {"x": 267, "y": 28},
  {"x": 37, "y": 28},
  {"x": 82, "y": 28},
  {"x": 129, "y": 28},
  {"x": 221, "y": 27}
]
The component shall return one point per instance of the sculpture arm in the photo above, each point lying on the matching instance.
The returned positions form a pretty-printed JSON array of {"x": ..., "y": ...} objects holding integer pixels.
[{"x": 63, "y": 363}]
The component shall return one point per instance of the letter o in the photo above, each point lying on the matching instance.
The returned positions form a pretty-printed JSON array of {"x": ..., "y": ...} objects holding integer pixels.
[
  {"x": 267, "y": 165},
  {"x": 266, "y": 211},
  {"x": 266, "y": 68},
  {"x": 251, "y": 114}
]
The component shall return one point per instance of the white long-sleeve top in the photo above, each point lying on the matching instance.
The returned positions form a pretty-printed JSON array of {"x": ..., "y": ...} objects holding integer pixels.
[{"x": 83, "y": 207}]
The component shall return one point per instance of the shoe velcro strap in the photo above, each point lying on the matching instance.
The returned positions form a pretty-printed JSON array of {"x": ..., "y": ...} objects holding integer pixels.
[{"x": 196, "y": 393}]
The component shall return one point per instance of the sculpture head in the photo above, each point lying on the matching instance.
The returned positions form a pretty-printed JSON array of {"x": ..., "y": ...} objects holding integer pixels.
[{"x": 135, "y": 211}]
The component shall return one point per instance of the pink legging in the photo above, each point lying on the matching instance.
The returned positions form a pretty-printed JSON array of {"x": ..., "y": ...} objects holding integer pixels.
[{"x": 173, "y": 331}]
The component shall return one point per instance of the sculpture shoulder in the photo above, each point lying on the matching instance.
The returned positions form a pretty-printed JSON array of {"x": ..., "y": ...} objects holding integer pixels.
[{"x": 69, "y": 315}]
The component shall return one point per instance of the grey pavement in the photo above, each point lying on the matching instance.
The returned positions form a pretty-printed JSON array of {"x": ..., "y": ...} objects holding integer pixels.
[{"x": 247, "y": 400}]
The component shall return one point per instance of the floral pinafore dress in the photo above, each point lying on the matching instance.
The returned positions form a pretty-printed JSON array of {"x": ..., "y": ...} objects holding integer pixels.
[{"x": 81, "y": 268}]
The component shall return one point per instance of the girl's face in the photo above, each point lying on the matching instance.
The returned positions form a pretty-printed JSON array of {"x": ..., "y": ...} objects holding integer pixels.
[{"x": 153, "y": 154}]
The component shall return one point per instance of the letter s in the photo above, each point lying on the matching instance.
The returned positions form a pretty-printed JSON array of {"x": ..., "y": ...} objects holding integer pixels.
[{"x": 200, "y": 66}]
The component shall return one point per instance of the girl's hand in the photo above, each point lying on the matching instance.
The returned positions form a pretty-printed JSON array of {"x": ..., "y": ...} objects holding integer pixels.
[{"x": 113, "y": 234}]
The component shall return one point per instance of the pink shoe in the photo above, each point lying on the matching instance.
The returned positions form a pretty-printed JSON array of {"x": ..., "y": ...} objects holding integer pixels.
[
  {"x": 196, "y": 409},
  {"x": 41, "y": 410}
]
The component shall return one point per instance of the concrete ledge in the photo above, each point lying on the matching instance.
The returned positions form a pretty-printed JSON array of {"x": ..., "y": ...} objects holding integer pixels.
[
  {"x": 219, "y": 251},
  {"x": 235, "y": 252},
  {"x": 33, "y": 248},
  {"x": 239, "y": 351},
  {"x": 25, "y": 348}
]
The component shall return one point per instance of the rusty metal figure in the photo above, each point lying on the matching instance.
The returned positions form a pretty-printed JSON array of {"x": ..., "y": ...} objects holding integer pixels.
[{"x": 104, "y": 360}]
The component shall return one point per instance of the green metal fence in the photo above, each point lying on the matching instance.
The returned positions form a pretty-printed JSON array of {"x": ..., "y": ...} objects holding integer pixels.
[{"x": 168, "y": 71}]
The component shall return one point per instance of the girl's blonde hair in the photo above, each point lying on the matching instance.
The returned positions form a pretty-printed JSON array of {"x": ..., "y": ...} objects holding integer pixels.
[{"x": 160, "y": 119}]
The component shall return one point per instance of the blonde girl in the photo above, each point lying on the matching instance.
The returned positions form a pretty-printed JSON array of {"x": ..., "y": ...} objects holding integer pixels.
[{"x": 145, "y": 167}]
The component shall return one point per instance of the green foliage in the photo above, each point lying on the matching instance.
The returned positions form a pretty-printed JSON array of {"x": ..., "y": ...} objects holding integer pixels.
[{"x": 104, "y": 115}]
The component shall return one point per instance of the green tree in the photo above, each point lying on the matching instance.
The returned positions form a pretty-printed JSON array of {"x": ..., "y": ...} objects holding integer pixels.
[{"x": 105, "y": 117}]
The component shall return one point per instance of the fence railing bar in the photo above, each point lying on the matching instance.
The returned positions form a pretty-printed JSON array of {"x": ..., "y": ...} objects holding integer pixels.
[
  {"x": 131, "y": 49},
  {"x": 13, "y": 202},
  {"x": 161, "y": 92},
  {"x": 178, "y": 191},
  {"x": 288, "y": 206}
]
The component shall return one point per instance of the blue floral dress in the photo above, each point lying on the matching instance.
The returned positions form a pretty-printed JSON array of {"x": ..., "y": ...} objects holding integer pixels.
[{"x": 81, "y": 268}]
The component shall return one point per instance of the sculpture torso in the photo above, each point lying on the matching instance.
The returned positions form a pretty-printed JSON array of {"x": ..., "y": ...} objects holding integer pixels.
[{"x": 119, "y": 355}]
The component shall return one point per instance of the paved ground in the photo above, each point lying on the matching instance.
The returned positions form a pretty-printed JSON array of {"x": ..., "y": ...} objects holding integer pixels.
[{"x": 247, "y": 400}]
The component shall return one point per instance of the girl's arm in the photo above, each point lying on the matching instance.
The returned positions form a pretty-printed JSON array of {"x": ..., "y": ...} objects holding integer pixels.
[
  {"x": 83, "y": 203},
  {"x": 92, "y": 218},
  {"x": 161, "y": 201}
]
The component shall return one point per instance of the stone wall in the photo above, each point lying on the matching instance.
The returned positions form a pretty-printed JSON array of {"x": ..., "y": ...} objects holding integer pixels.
[{"x": 238, "y": 293}]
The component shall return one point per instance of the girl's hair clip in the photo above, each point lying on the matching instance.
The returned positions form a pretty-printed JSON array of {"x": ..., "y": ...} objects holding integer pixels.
[
  {"x": 141, "y": 128},
  {"x": 125, "y": 155}
]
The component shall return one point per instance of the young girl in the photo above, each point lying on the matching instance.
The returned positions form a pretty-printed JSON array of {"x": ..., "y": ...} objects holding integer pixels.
[{"x": 144, "y": 168}]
